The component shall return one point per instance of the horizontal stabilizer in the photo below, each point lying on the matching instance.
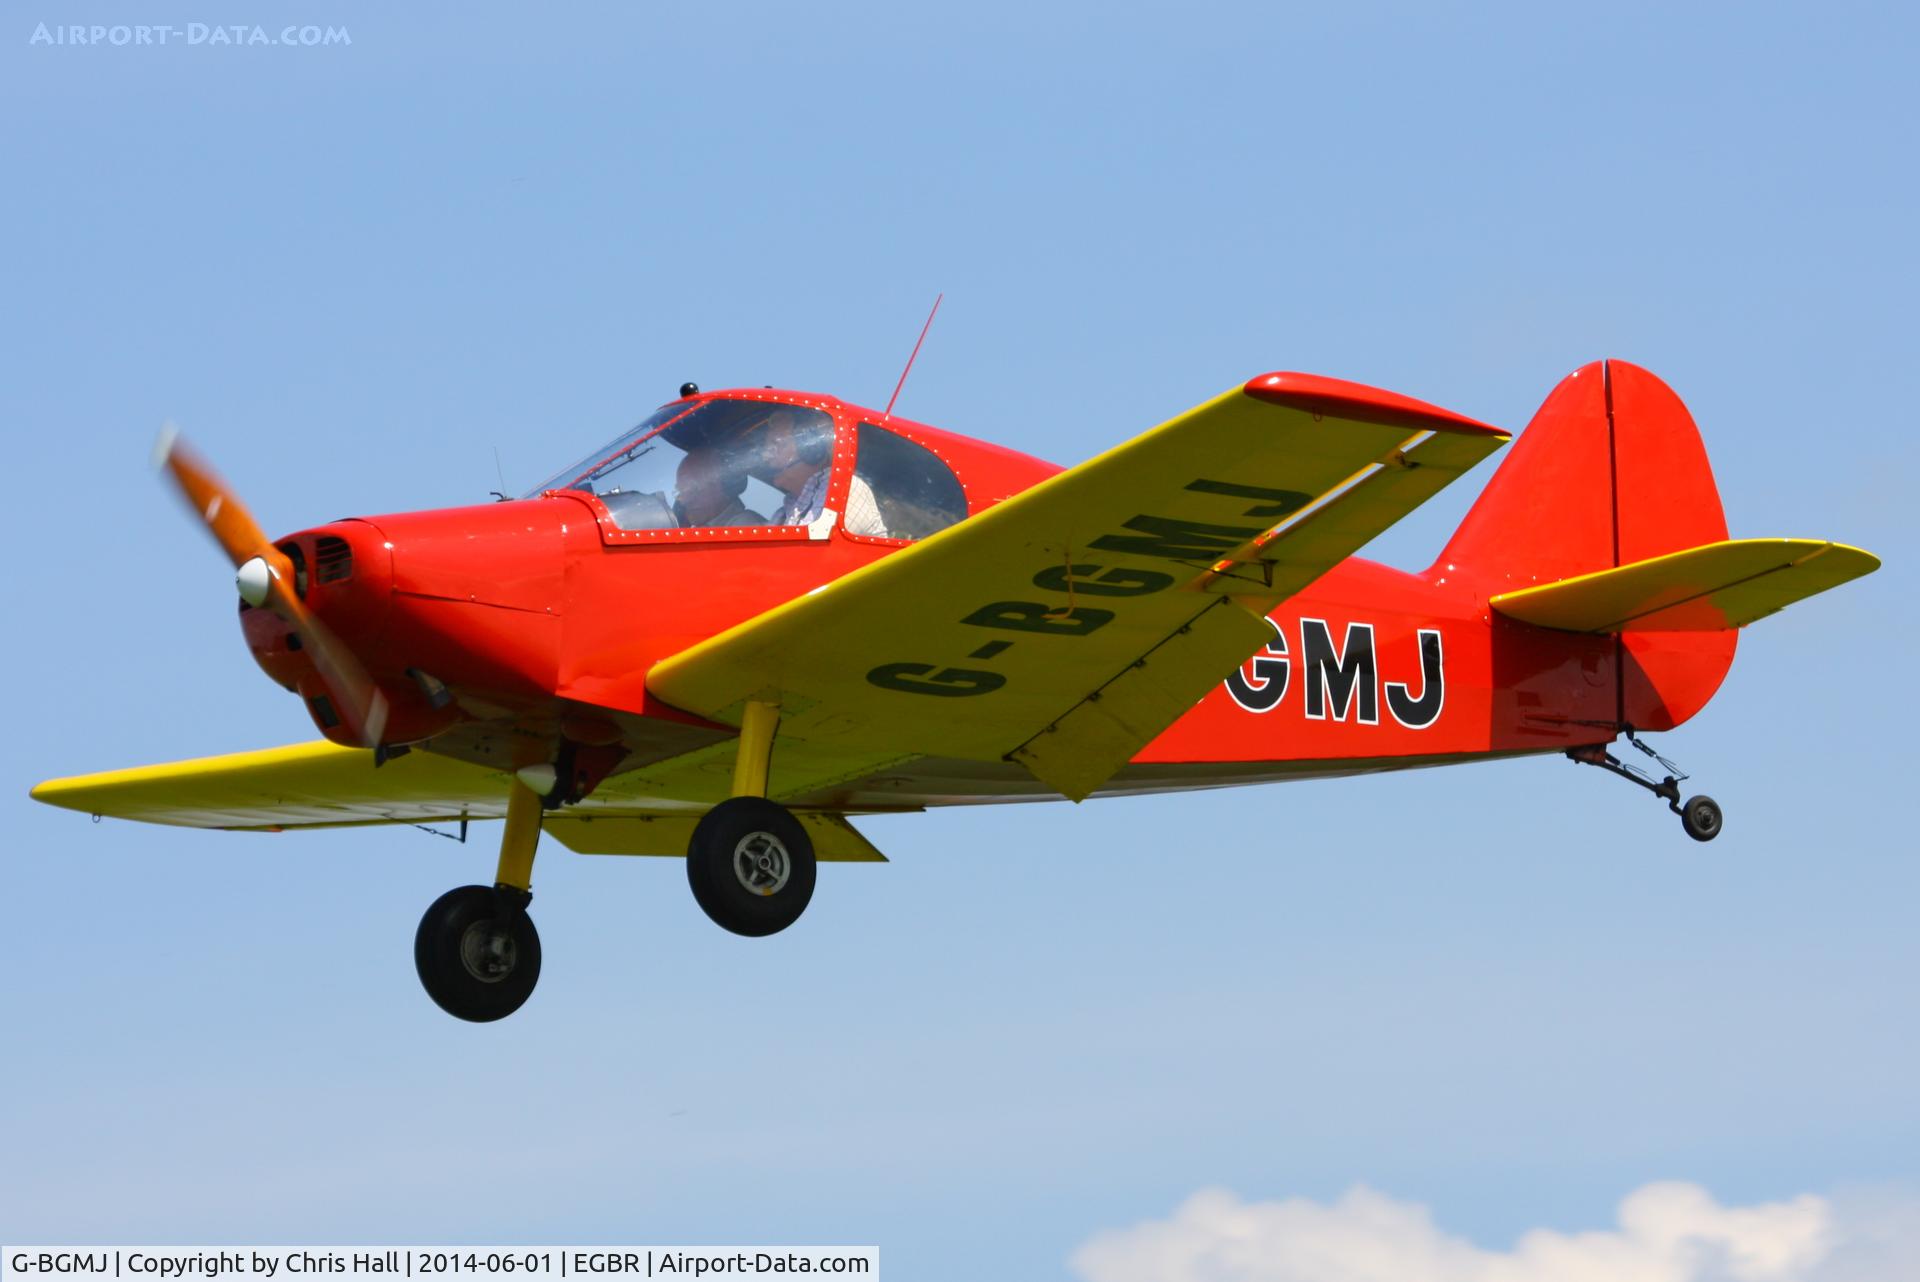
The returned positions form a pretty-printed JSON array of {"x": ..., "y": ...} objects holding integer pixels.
[{"x": 1704, "y": 589}]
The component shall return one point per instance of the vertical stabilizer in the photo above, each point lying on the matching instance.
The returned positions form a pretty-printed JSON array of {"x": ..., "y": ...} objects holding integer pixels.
[{"x": 1611, "y": 470}]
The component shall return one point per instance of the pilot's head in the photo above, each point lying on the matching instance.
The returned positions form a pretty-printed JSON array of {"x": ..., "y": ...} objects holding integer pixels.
[
  {"x": 705, "y": 484},
  {"x": 789, "y": 440}
]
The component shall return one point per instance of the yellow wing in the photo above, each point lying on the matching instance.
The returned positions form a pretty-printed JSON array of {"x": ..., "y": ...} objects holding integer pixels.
[
  {"x": 1704, "y": 589},
  {"x": 302, "y": 785},
  {"x": 1068, "y": 625},
  {"x": 321, "y": 785}
]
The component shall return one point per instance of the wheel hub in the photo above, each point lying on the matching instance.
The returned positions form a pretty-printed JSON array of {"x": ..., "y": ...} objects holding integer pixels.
[
  {"x": 488, "y": 952},
  {"x": 761, "y": 862}
]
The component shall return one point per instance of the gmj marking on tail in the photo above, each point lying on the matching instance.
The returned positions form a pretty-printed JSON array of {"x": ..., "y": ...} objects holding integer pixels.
[{"x": 1342, "y": 680}]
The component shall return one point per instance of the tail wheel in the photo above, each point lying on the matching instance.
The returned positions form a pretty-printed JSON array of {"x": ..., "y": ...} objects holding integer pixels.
[
  {"x": 477, "y": 953},
  {"x": 751, "y": 866},
  {"x": 1700, "y": 816}
]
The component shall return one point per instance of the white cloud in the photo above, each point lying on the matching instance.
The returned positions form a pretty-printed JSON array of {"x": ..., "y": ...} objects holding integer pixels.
[{"x": 1668, "y": 1232}]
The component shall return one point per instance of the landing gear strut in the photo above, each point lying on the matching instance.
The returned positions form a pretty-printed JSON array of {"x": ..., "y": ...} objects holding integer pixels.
[
  {"x": 476, "y": 950},
  {"x": 1699, "y": 815},
  {"x": 750, "y": 863}
]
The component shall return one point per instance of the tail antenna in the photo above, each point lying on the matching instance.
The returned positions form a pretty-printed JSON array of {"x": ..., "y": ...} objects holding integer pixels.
[{"x": 916, "y": 351}]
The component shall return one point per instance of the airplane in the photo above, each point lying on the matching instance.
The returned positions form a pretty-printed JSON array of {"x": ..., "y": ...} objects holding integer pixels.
[{"x": 761, "y": 613}]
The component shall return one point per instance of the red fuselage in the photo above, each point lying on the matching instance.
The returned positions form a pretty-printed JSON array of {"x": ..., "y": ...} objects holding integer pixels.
[{"x": 544, "y": 615}]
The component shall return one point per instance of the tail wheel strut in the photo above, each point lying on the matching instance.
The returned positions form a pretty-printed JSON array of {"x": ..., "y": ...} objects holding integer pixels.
[{"x": 1699, "y": 815}]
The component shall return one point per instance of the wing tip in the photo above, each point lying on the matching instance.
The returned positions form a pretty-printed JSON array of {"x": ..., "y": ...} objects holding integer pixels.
[
  {"x": 1337, "y": 397},
  {"x": 56, "y": 792}
]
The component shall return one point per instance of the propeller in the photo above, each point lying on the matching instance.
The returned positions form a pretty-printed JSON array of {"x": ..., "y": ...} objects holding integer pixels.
[{"x": 265, "y": 577}]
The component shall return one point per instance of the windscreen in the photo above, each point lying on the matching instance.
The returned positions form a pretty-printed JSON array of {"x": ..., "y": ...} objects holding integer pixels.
[{"x": 718, "y": 463}]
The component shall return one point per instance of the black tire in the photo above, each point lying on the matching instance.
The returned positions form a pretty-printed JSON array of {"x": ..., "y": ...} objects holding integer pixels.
[
  {"x": 478, "y": 957},
  {"x": 1700, "y": 816},
  {"x": 751, "y": 866}
]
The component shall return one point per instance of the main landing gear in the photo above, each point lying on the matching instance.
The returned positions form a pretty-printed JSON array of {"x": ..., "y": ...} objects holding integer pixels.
[
  {"x": 476, "y": 950},
  {"x": 750, "y": 863},
  {"x": 1699, "y": 815}
]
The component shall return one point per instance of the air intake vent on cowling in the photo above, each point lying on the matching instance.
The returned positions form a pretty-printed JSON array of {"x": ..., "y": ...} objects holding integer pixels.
[
  {"x": 299, "y": 559},
  {"x": 332, "y": 559}
]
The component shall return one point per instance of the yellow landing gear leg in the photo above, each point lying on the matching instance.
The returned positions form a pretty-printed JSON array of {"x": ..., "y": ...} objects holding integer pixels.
[
  {"x": 514, "y": 877},
  {"x": 750, "y": 863},
  {"x": 755, "y": 752}
]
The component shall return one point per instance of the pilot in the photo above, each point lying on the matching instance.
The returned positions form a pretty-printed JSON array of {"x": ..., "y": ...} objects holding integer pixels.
[
  {"x": 798, "y": 459},
  {"x": 707, "y": 490}
]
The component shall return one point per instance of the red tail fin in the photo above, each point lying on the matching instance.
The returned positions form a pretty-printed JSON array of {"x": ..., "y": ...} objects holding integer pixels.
[{"x": 1611, "y": 470}]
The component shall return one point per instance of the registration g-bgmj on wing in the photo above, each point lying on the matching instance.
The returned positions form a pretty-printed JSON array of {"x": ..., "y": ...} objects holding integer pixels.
[{"x": 761, "y": 614}]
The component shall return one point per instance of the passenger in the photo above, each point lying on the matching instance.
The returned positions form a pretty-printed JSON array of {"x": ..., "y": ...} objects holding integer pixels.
[
  {"x": 798, "y": 460},
  {"x": 707, "y": 490}
]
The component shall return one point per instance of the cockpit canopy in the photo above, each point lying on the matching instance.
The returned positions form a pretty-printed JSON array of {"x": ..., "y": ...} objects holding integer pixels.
[
  {"x": 762, "y": 465},
  {"x": 702, "y": 466}
]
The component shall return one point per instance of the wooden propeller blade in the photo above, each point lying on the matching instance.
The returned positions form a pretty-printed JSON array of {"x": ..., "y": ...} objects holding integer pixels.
[
  {"x": 213, "y": 500},
  {"x": 361, "y": 706}
]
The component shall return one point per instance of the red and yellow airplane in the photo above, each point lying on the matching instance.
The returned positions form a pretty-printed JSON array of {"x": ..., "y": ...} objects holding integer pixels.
[{"x": 761, "y": 612}]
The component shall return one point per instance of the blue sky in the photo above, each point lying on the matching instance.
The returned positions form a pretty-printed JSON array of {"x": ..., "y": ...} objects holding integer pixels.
[{"x": 1510, "y": 993}]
